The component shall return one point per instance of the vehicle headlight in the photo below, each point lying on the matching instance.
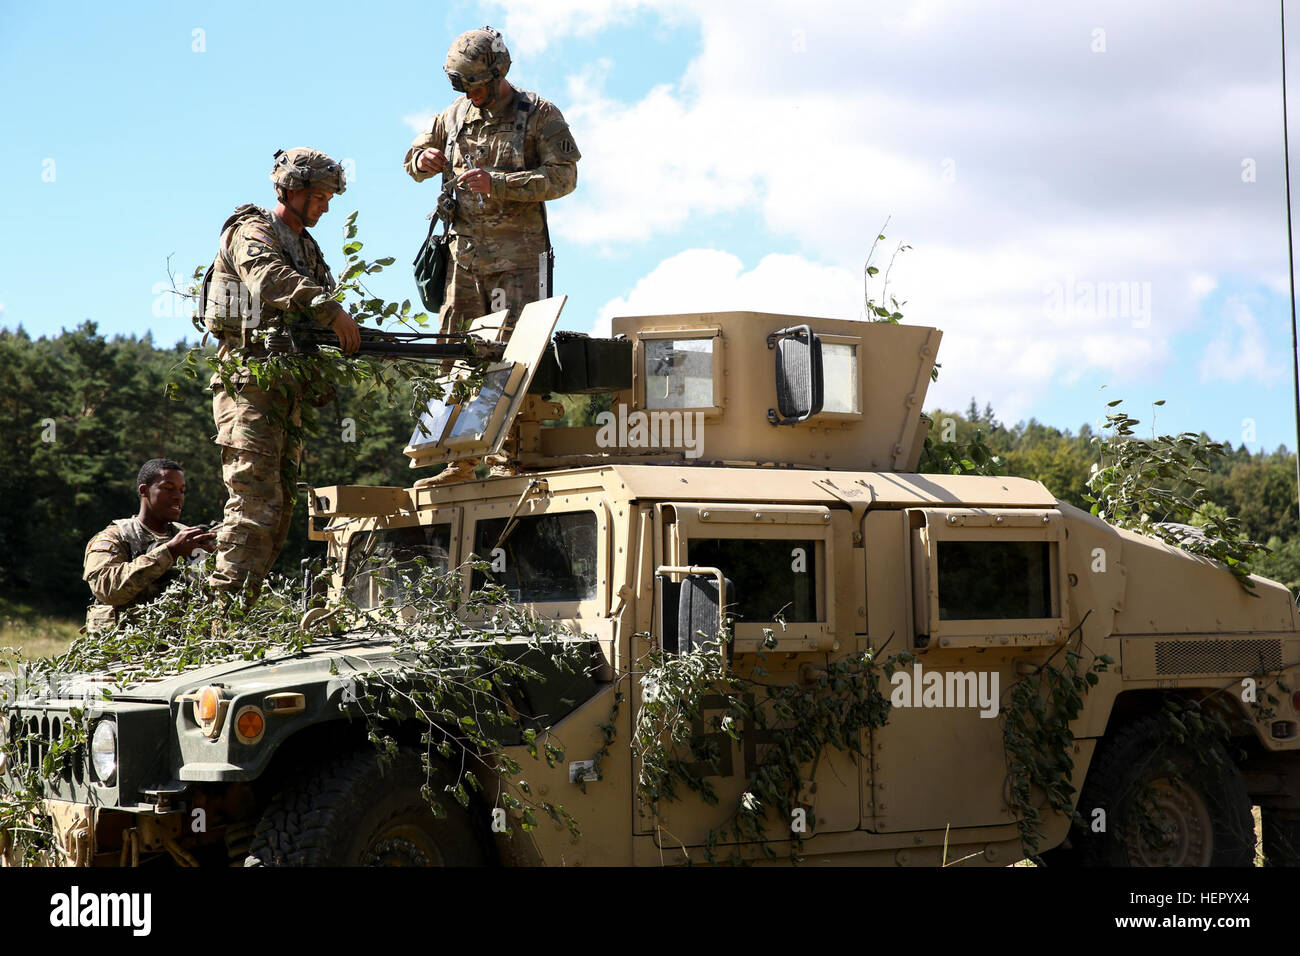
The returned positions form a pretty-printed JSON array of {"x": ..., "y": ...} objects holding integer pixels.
[{"x": 103, "y": 751}]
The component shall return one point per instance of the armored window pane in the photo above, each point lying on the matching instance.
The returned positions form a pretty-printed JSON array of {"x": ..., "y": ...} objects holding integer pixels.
[
  {"x": 544, "y": 558},
  {"x": 475, "y": 417},
  {"x": 840, "y": 373},
  {"x": 679, "y": 373},
  {"x": 383, "y": 564},
  {"x": 429, "y": 429},
  {"x": 994, "y": 580},
  {"x": 772, "y": 578}
]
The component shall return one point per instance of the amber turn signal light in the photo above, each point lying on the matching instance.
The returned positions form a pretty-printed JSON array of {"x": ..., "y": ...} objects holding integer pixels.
[{"x": 250, "y": 724}]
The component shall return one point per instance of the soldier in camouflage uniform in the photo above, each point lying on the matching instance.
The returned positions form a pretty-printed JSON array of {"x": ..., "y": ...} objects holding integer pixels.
[
  {"x": 268, "y": 268},
  {"x": 509, "y": 151},
  {"x": 132, "y": 560}
]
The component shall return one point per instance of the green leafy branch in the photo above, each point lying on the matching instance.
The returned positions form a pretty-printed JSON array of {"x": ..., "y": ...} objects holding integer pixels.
[{"x": 1155, "y": 487}]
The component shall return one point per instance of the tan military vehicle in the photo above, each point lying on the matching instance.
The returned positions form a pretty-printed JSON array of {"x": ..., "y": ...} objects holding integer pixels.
[{"x": 759, "y": 471}]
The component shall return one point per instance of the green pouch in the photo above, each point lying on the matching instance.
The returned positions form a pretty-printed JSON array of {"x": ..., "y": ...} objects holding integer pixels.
[{"x": 431, "y": 268}]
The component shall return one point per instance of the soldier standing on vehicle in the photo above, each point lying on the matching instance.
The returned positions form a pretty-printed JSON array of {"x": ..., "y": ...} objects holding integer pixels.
[
  {"x": 133, "y": 559},
  {"x": 509, "y": 151},
  {"x": 268, "y": 269}
]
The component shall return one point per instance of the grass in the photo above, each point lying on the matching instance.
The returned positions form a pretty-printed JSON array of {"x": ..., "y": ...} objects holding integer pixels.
[{"x": 36, "y": 627}]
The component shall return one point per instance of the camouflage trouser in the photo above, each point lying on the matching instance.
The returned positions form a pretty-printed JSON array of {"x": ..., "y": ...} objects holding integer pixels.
[
  {"x": 470, "y": 295},
  {"x": 259, "y": 463}
]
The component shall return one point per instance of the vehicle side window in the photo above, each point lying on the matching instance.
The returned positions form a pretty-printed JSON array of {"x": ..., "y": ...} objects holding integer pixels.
[
  {"x": 771, "y": 578},
  {"x": 365, "y": 575},
  {"x": 550, "y": 557},
  {"x": 994, "y": 580}
]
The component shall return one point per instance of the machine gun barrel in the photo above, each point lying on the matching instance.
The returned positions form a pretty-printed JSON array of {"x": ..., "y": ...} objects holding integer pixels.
[{"x": 430, "y": 346}]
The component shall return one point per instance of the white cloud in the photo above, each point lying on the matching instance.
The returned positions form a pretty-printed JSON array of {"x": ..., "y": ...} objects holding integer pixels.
[
  {"x": 529, "y": 26},
  {"x": 648, "y": 168},
  {"x": 709, "y": 280},
  {"x": 1202, "y": 285},
  {"x": 420, "y": 121},
  {"x": 1240, "y": 351},
  {"x": 1012, "y": 157}
]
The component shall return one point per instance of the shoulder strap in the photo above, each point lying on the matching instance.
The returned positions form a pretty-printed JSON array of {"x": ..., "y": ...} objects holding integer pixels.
[
  {"x": 137, "y": 541},
  {"x": 453, "y": 134},
  {"x": 526, "y": 103},
  {"x": 241, "y": 212}
]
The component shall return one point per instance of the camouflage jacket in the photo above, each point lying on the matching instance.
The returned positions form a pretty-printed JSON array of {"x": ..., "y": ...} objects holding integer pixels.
[
  {"x": 528, "y": 166},
  {"x": 126, "y": 564},
  {"x": 262, "y": 270}
]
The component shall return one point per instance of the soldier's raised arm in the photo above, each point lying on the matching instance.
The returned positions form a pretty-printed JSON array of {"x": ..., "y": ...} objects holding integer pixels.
[
  {"x": 115, "y": 578},
  {"x": 434, "y": 140}
]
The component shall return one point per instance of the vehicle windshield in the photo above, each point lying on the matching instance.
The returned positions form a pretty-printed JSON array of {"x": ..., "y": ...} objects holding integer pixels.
[
  {"x": 549, "y": 557},
  {"x": 382, "y": 564}
]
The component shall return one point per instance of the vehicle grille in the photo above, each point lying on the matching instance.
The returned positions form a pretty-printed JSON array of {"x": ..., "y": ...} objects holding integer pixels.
[
  {"x": 32, "y": 736},
  {"x": 1218, "y": 656}
]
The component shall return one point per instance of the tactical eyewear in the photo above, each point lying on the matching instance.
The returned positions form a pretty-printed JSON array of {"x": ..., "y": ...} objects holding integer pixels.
[{"x": 463, "y": 84}]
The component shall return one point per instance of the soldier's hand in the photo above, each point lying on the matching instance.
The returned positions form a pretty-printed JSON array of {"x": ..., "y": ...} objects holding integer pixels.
[
  {"x": 345, "y": 327},
  {"x": 189, "y": 540},
  {"x": 476, "y": 180},
  {"x": 431, "y": 160}
]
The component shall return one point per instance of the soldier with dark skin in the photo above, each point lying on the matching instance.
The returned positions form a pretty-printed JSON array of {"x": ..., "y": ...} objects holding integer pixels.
[
  {"x": 268, "y": 270},
  {"x": 509, "y": 151},
  {"x": 132, "y": 560}
]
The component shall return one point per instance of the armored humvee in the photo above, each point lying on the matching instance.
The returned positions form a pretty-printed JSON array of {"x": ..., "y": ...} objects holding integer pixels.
[{"x": 762, "y": 467}]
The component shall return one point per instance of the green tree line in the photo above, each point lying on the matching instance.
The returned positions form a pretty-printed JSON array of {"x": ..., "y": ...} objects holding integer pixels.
[
  {"x": 80, "y": 413},
  {"x": 1257, "y": 488}
]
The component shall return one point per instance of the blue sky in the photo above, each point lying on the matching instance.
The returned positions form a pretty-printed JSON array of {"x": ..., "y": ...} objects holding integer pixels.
[{"x": 736, "y": 155}]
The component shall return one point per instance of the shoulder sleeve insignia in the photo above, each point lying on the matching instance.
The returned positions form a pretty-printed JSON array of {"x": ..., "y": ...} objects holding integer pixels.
[{"x": 255, "y": 249}]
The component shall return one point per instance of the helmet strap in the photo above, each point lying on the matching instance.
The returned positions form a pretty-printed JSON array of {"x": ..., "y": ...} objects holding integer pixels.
[{"x": 301, "y": 213}]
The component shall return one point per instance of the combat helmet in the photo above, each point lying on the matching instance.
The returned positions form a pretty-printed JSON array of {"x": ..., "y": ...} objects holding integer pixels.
[
  {"x": 302, "y": 168},
  {"x": 476, "y": 58}
]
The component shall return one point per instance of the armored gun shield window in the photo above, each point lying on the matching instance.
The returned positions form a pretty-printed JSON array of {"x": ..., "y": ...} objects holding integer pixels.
[
  {"x": 475, "y": 417},
  {"x": 545, "y": 558},
  {"x": 429, "y": 429},
  {"x": 679, "y": 373},
  {"x": 383, "y": 564},
  {"x": 840, "y": 364}
]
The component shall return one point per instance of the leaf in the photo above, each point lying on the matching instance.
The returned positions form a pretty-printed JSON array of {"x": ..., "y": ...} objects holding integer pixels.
[{"x": 351, "y": 248}]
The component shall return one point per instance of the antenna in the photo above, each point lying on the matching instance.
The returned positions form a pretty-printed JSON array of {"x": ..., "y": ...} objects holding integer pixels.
[{"x": 1290, "y": 252}]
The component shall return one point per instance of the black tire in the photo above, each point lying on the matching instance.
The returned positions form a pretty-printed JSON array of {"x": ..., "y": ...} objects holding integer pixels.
[
  {"x": 353, "y": 811},
  {"x": 1281, "y": 837},
  {"x": 1203, "y": 812}
]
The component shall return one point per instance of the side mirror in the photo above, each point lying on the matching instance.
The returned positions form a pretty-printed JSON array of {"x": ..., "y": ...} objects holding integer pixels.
[
  {"x": 692, "y": 612},
  {"x": 800, "y": 390}
]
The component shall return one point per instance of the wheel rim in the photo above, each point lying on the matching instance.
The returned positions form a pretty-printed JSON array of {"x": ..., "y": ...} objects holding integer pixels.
[
  {"x": 1186, "y": 829},
  {"x": 402, "y": 845}
]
